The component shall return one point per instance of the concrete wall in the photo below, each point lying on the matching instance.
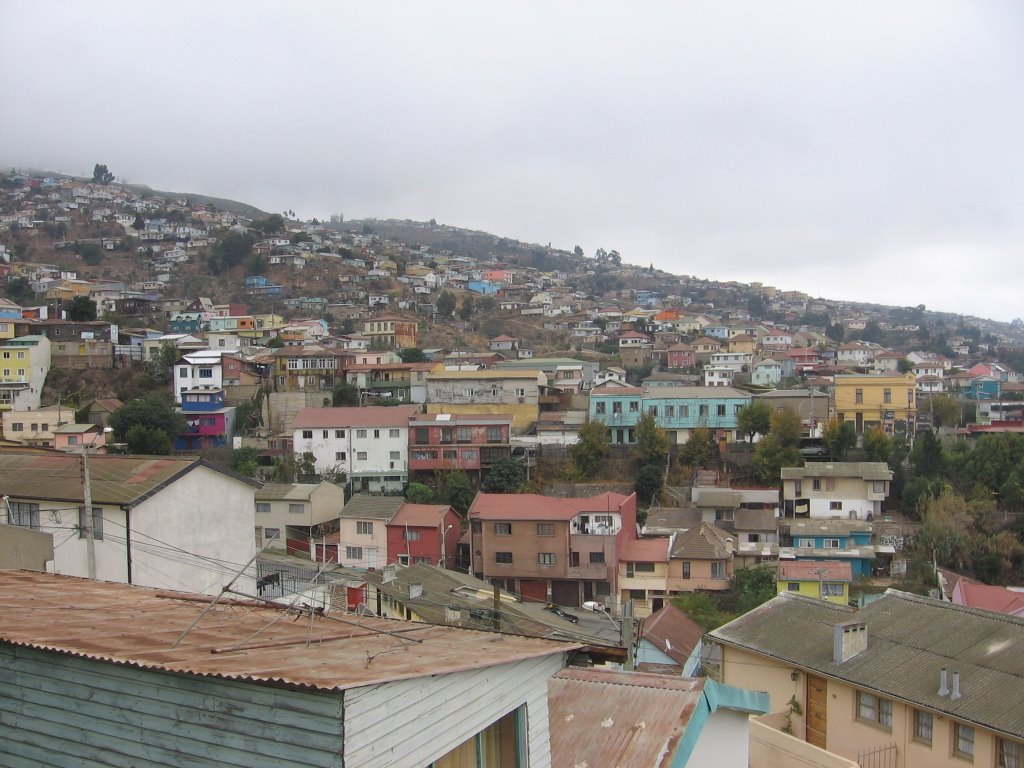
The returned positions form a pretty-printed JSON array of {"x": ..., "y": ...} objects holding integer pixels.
[{"x": 771, "y": 748}]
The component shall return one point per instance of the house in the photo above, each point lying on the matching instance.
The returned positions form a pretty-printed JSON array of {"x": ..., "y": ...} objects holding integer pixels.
[
  {"x": 76, "y": 344},
  {"x": 701, "y": 558},
  {"x": 24, "y": 363},
  {"x": 99, "y": 410},
  {"x": 905, "y": 681},
  {"x": 209, "y": 420},
  {"x": 681, "y": 356},
  {"x": 514, "y": 393},
  {"x": 255, "y": 686},
  {"x": 391, "y": 332},
  {"x": 446, "y": 441},
  {"x": 718, "y": 376},
  {"x": 370, "y": 445},
  {"x": 766, "y": 373},
  {"x": 310, "y": 368},
  {"x": 390, "y": 381},
  {"x": 828, "y": 579},
  {"x": 848, "y": 541},
  {"x": 851, "y": 490},
  {"x": 607, "y": 717},
  {"x": 643, "y": 572},
  {"x": 875, "y": 400},
  {"x": 809, "y": 405},
  {"x": 670, "y": 640},
  {"x": 36, "y": 427},
  {"x": 157, "y": 521},
  {"x": 71, "y": 437},
  {"x": 200, "y": 370},
  {"x": 610, "y": 374},
  {"x": 559, "y": 550},
  {"x": 289, "y": 515},
  {"x": 424, "y": 533},
  {"x": 503, "y": 343},
  {"x": 1008, "y": 600}
]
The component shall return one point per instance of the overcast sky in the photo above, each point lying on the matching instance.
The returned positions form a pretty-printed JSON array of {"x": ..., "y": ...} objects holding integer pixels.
[{"x": 868, "y": 151}]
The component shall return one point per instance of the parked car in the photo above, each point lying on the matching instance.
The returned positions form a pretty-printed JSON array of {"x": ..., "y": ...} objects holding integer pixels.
[{"x": 563, "y": 613}]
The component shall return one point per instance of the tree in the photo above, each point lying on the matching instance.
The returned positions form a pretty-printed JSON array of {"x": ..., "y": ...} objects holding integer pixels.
[
  {"x": 904, "y": 365},
  {"x": 505, "y": 476},
  {"x": 412, "y": 355},
  {"x": 779, "y": 449},
  {"x": 272, "y": 224},
  {"x": 466, "y": 310},
  {"x": 839, "y": 437},
  {"x": 147, "y": 441},
  {"x": 82, "y": 308},
  {"x": 101, "y": 175},
  {"x": 877, "y": 445},
  {"x": 275, "y": 343},
  {"x": 652, "y": 444},
  {"x": 753, "y": 586},
  {"x": 458, "y": 491},
  {"x": 590, "y": 451},
  {"x": 245, "y": 461},
  {"x": 445, "y": 304},
  {"x": 577, "y": 252},
  {"x": 698, "y": 450},
  {"x": 91, "y": 253},
  {"x": 231, "y": 250},
  {"x": 945, "y": 411},
  {"x": 754, "y": 419},
  {"x": 153, "y": 412},
  {"x": 345, "y": 394},
  {"x": 418, "y": 493},
  {"x": 139, "y": 224},
  {"x": 19, "y": 290},
  {"x": 927, "y": 456}
]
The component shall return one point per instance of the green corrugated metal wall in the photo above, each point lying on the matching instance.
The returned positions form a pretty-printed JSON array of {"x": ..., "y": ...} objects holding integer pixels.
[{"x": 58, "y": 710}]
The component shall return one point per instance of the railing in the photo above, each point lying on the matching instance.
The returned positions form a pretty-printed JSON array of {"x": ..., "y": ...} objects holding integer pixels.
[{"x": 878, "y": 757}]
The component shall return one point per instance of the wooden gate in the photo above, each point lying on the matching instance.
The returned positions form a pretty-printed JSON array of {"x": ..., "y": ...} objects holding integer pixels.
[{"x": 816, "y": 710}]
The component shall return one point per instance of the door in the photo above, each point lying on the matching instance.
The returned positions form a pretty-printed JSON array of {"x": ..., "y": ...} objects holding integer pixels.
[
  {"x": 816, "y": 710},
  {"x": 565, "y": 593},
  {"x": 371, "y": 557},
  {"x": 533, "y": 590}
]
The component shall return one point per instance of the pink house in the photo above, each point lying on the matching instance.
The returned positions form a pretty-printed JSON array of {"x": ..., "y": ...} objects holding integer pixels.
[
  {"x": 989, "y": 597},
  {"x": 424, "y": 533},
  {"x": 71, "y": 437}
]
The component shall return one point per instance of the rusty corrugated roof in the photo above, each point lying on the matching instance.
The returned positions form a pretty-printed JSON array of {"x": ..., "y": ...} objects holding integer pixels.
[
  {"x": 137, "y": 627},
  {"x": 609, "y": 718}
]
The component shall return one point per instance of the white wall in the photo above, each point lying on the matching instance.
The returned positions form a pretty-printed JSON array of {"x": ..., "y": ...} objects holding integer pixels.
[
  {"x": 378, "y": 449},
  {"x": 724, "y": 740},
  {"x": 178, "y": 533}
]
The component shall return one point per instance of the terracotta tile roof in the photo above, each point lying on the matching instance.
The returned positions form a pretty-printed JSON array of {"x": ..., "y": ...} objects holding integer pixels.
[
  {"x": 532, "y": 506},
  {"x": 420, "y": 515},
  {"x": 707, "y": 542},
  {"x": 645, "y": 550}
]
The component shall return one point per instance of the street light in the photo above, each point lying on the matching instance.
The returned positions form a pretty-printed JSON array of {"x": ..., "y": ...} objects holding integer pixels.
[
  {"x": 87, "y": 521},
  {"x": 443, "y": 550}
]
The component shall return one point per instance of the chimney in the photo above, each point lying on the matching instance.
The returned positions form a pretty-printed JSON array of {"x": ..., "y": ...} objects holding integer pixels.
[
  {"x": 943, "y": 687},
  {"x": 848, "y": 640},
  {"x": 955, "y": 693}
]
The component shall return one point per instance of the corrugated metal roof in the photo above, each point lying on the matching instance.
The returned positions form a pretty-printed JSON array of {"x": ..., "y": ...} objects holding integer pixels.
[
  {"x": 283, "y": 491},
  {"x": 364, "y": 506},
  {"x": 673, "y": 632},
  {"x": 57, "y": 476},
  {"x": 372, "y": 416},
  {"x": 910, "y": 638},
  {"x": 867, "y": 470},
  {"x": 532, "y": 506},
  {"x": 421, "y": 515},
  {"x": 137, "y": 627},
  {"x": 609, "y": 718}
]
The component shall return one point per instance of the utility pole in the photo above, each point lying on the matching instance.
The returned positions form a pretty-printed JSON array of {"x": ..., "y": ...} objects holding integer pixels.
[{"x": 90, "y": 539}]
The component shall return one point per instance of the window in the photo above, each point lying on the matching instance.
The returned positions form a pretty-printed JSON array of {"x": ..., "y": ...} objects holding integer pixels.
[
  {"x": 816, "y": 484},
  {"x": 545, "y": 529},
  {"x": 326, "y": 434},
  {"x": 422, "y": 559},
  {"x": 449, "y": 455},
  {"x": 718, "y": 570},
  {"x": 296, "y": 509},
  {"x": 872, "y": 709},
  {"x": 830, "y": 543},
  {"x": 805, "y": 543},
  {"x": 835, "y": 505},
  {"x": 686, "y": 569},
  {"x": 376, "y": 434},
  {"x": 463, "y": 435},
  {"x": 520, "y": 392},
  {"x": 616, "y": 407},
  {"x": 670, "y": 411},
  {"x": 206, "y": 373},
  {"x": 494, "y": 434},
  {"x": 361, "y": 433},
  {"x": 830, "y": 484},
  {"x": 183, "y": 372},
  {"x": 922, "y": 726},
  {"x": 963, "y": 741},
  {"x": 503, "y": 558},
  {"x": 858, "y": 396},
  {"x": 724, "y": 514},
  {"x": 653, "y": 410},
  {"x": 793, "y": 586},
  {"x": 394, "y": 433},
  {"x": 421, "y": 436},
  {"x": 72, "y": 440},
  {"x": 1008, "y": 754},
  {"x": 97, "y": 523},
  {"x": 634, "y": 568},
  {"x": 364, "y": 527},
  {"x": 798, "y": 487},
  {"x": 637, "y": 594},
  {"x": 634, "y": 406},
  {"x": 887, "y": 395},
  {"x": 878, "y": 486},
  {"x": 24, "y": 514},
  {"x": 353, "y": 553},
  {"x": 408, "y": 535},
  {"x": 702, "y": 410},
  {"x": 503, "y": 529},
  {"x": 18, "y": 427},
  {"x": 753, "y": 538},
  {"x": 395, "y": 455},
  {"x": 271, "y": 533},
  {"x": 597, "y": 558},
  {"x": 360, "y": 455},
  {"x": 831, "y": 589},
  {"x": 339, "y": 455},
  {"x": 545, "y": 558},
  {"x": 263, "y": 507},
  {"x": 599, "y": 407},
  {"x": 720, "y": 410},
  {"x": 307, "y": 434}
]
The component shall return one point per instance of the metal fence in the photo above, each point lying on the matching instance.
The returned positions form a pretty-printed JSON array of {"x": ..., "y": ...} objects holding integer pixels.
[{"x": 878, "y": 757}]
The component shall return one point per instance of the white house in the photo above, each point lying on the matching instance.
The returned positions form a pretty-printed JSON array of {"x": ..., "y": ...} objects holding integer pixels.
[
  {"x": 198, "y": 370},
  {"x": 369, "y": 445},
  {"x": 169, "y": 523}
]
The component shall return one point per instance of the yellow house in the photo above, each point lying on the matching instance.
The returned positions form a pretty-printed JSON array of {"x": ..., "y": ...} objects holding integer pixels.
[
  {"x": 873, "y": 400},
  {"x": 829, "y": 580},
  {"x": 512, "y": 393},
  {"x": 66, "y": 290},
  {"x": 905, "y": 681},
  {"x": 742, "y": 342}
]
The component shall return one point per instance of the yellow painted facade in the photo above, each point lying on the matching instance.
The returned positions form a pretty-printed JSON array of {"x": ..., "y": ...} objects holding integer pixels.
[
  {"x": 523, "y": 415},
  {"x": 812, "y": 589},
  {"x": 876, "y": 401}
]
